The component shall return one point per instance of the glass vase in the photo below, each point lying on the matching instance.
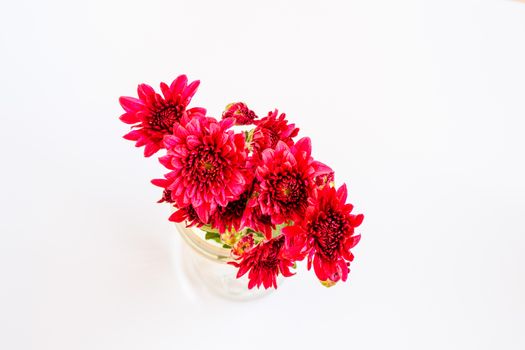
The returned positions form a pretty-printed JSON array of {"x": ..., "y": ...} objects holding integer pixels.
[{"x": 206, "y": 263}]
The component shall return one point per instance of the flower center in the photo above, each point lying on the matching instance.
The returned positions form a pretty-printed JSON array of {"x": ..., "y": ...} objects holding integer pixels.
[
  {"x": 204, "y": 164},
  {"x": 289, "y": 189},
  {"x": 328, "y": 232},
  {"x": 164, "y": 117},
  {"x": 207, "y": 165}
]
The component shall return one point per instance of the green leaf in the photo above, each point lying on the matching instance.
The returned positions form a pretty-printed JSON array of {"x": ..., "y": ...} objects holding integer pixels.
[
  {"x": 248, "y": 135},
  {"x": 208, "y": 228},
  {"x": 213, "y": 236},
  {"x": 258, "y": 234}
]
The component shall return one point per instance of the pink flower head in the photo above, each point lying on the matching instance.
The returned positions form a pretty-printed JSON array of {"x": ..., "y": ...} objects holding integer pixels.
[
  {"x": 264, "y": 262},
  {"x": 286, "y": 180},
  {"x": 207, "y": 162},
  {"x": 327, "y": 234},
  {"x": 152, "y": 116},
  {"x": 240, "y": 111},
  {"x": 272, "y": 129}
]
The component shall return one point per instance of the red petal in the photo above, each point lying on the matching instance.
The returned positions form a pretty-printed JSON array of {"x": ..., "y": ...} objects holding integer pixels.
[
  {"x": 243, "y": 268},
  {"x": 178, "y": 216},
  {"x": 344, "y": 270},
  {"x": 203, "y": 213},
  {"x": 166, "y": 161},
  {"x": 281, "y": 147},
  {"x": 227, "y": 123},
  {"x": 293, "y": 230},
  {"x": 190, "y": 91},
  {"x": 320, "y": 168},
  {"x": 178, "y": 84},
  {"x": 151, "y": 149},
  {"x": 129, "y": 118},
  {"x": 357, "y": 219},
  {"x": 133, "y": 135},
  {"x": 342, "y": 194},
  {"x": 165, "y": 91},
  {"x": 251, "y": 284},
  {"x": 196, "y": 111},
  {"x": 268, "y": 155},
  {"x": 319, "y": 269},
  {"x": 130, "y": 104},
  {"x": 159, "y": 182},
  {"x": 304, "y": 145},
  {"x": 144, "y": 91},
  {"x": 353, "y": 242},
  {"x": 285, "y": 270}
]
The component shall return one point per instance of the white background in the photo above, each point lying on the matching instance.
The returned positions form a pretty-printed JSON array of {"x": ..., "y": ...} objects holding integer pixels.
[{"x": 417, "y": 105}]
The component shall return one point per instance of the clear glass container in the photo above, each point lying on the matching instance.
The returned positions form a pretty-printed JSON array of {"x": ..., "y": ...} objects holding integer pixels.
[{"x": 206, "y": 263}]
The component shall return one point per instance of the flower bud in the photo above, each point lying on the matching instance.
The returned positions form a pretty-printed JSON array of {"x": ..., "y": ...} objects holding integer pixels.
[{"x": 240, "y": 111}]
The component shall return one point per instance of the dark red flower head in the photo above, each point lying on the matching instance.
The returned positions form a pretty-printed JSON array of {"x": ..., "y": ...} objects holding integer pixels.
[
  {"x": 264, "y": 262},
  {"x": 207, "y": 162},
  {"x": 272, "y": 129},
  {"x": 229, "y": 217},
  {"x": 327, "y": 234},
  {"x": 286, "y": 180},
  {"x": 154, "y": 116},
  {"x": 240, "y": 111}
]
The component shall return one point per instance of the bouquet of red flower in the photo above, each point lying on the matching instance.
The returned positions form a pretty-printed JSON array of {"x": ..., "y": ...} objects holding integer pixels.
[{"x": 257, "y": 191}]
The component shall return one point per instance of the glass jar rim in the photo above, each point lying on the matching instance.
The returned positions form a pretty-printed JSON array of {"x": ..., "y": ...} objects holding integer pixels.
[{"x": 194, "y": 237}]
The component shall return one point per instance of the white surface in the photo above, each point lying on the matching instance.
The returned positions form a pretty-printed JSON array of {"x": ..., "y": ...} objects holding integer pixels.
[{"x": 419, "y": 106}]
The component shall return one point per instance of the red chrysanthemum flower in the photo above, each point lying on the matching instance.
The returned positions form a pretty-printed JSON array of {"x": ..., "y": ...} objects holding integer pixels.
[
  {"x": 286, "y": 180},
  {"x": 207, "y": 163},
  {"x": 240, "y": 111},
  {"x": 327, "y": 234},
  {"x": 272, "y": 129},
  {"x": 264, "y": 262},
  {"x": 154, "y": 116}
]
